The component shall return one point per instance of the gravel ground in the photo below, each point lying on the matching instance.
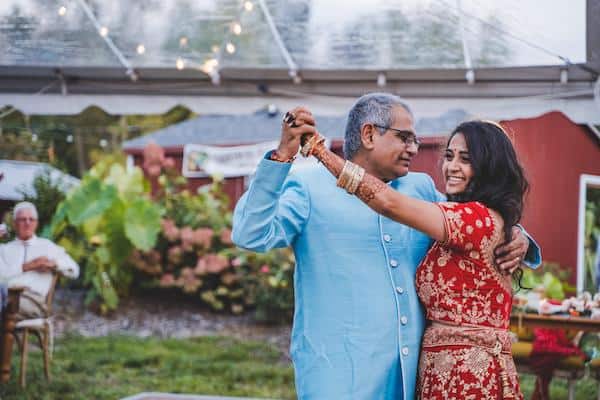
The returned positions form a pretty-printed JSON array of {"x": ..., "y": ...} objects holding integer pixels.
[{"x": 151, "y": 315}]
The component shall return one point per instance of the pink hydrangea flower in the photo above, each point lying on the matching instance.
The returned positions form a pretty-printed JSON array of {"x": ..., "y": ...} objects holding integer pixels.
[
  {"x": 203, "y": 237},
  {"x": 169, "y": 229},
  {"x": 226, "y": 236},
  {"x": 174, "y": 254},
  {"x": 211, "y": 263},
  {"x": 167, "y": 280},
  {"x": 187, "y": 238},
  {"x": 169, "y": 162}
]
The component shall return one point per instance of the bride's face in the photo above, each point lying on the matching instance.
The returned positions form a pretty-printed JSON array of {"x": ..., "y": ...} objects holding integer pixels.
[{"x": 456, "y": 168}]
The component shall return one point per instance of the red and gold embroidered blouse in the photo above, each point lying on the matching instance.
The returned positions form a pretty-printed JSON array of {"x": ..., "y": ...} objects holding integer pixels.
[{"x": 457, "y": 281}]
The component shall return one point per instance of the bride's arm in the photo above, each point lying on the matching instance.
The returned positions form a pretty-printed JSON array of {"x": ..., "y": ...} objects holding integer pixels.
[{"x": 422, "y": 215}]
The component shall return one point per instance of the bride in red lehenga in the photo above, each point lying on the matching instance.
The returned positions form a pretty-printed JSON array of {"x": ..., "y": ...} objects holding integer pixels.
[{"x": 466, "y": 349}]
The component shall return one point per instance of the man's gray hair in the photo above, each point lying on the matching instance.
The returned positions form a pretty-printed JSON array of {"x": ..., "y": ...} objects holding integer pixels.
[
  {"x": 374, "y": 108},
  {"x": 25, "y": 205}
]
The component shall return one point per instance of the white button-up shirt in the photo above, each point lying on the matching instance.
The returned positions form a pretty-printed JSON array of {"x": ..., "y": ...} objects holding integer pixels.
[{"x": 17, "y": 252}]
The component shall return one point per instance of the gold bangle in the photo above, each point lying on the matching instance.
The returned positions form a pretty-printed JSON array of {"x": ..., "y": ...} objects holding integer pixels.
[
  {"x": 357, "y": 177},
  {"x": 350, "y": 177},
  {"x": 308, "y": 148},
  {"x": 344, "y": 176}
]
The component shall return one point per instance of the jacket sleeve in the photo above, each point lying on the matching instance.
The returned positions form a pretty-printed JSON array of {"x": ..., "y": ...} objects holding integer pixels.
[
  {"x": 533, "y": 257},
  {"x": 273, "y": 211}
]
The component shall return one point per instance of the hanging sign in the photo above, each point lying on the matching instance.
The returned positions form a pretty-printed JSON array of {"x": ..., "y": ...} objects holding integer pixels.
[{"x": 202, "y": 161}]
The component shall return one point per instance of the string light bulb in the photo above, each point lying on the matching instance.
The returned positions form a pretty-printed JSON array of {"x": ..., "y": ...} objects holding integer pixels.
[
  {"x": 183, "y": 41},
  {"x": 104, "y": 31},
  {"x": 230, "y": 48},
  {"x": 69, "y": 138},
  {"x": 248, "y": 5},
  {"x": 209, "y": 66},
  {"x": 236, "y": 28},
  {"x": 180, "y": 64},
  {"x": 62, "y": 11},
  {"x": 141, "y": 49},
  {"x": 103, "y": 142}
]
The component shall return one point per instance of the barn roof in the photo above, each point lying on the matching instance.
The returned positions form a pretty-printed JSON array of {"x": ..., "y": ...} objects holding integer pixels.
[{"x": 263, "y": 126}]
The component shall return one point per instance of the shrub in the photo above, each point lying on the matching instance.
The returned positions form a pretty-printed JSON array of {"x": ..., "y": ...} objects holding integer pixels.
[
  {"x": 194, "y": 252},
  {"x": 101, "y": 222},
  {"x": 118, "y": 229}
]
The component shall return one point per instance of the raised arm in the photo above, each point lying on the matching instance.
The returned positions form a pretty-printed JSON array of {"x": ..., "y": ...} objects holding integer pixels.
[
  {"x": 276, "y": 206},
  {"x": 421, "y": 215}
]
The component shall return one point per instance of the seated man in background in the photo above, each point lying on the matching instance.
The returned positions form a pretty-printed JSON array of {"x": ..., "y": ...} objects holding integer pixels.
[{"x": 29, "y": 261}]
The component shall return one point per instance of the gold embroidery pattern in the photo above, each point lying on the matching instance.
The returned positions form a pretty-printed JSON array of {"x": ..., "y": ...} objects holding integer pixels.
[
  {"x": 467, "y": 362},
  {"x": 474, "y": 374},
  {"x": 457, "y": 281},
  {"x": 469, "y": 355}
]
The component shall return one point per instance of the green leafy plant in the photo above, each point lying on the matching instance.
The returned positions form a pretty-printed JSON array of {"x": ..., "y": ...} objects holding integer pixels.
[
  {"x": 102, "y": 222},
  {"x": 551, "y": 278},
  {"x": 591, "y": 238}
]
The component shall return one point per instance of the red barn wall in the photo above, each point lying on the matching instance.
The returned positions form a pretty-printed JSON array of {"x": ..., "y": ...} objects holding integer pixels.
[{"x": 555, "y": 153}]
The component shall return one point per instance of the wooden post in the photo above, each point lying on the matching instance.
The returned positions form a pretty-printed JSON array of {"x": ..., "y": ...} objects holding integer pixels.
[
  {"x": 9, "y": 320},
  {"x": 79, "y": 148}
]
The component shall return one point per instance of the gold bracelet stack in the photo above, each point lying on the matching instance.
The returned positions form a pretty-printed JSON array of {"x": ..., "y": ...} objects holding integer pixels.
[
  {"x": 311, "y": 145},
  {"x": 350, "y": 177}
]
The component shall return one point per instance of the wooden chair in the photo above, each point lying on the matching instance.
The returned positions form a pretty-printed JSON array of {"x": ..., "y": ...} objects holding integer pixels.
[{"x": 42, "y": 328}]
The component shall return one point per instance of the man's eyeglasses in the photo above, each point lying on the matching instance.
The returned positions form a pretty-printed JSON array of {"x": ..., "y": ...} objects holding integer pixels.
[
  {"x": 26, "y": 219},
  {"x": 408, "y": 137}
]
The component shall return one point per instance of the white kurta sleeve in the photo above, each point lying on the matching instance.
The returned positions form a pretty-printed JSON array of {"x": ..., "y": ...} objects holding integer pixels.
[{"x": 64, "y": 263}]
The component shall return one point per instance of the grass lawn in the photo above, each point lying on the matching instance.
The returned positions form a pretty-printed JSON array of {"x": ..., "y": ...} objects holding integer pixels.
[{"x": 118, "y": 366}]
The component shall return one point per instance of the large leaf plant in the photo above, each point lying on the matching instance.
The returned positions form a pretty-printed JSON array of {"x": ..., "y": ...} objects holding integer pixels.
[{"x": 102, "y": 222}]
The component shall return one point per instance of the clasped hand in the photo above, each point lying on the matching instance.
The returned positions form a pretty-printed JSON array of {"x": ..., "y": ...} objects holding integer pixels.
[
  {"x": 40, "y": 264},
  {"x": 293, "y": 129}
]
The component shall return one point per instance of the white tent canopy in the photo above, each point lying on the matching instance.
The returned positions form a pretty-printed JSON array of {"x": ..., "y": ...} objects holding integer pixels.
[
  {"x": 580, "y": 110},
  {"x": 18, "y": 177},
  {"x": 221, "y": 56}
]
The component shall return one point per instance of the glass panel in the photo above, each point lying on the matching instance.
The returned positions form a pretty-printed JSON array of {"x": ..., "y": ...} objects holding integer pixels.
[{"x": 319, "y": 34}]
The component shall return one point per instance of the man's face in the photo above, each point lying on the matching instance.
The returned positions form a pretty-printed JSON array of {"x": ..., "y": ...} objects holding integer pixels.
[
  {"x": 391, "y": 156},
  {"x": 25, "y": 224}
]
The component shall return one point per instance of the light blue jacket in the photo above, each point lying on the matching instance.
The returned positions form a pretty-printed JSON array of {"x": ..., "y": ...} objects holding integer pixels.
[{"x": 358, "y": 321}]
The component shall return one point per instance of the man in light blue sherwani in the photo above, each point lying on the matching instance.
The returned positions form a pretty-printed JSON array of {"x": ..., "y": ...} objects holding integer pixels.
[{"x": 358, "y": 321}]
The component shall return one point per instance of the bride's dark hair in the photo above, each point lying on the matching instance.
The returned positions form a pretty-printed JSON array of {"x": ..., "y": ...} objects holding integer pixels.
[{"x": 498, "y": 178}]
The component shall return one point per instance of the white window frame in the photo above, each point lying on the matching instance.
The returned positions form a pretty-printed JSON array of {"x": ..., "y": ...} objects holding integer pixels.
[{"x": 585, "y": 182}]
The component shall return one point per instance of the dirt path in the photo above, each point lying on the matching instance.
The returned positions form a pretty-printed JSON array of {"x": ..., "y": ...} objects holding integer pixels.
[{"x": 162, "y": 317}]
